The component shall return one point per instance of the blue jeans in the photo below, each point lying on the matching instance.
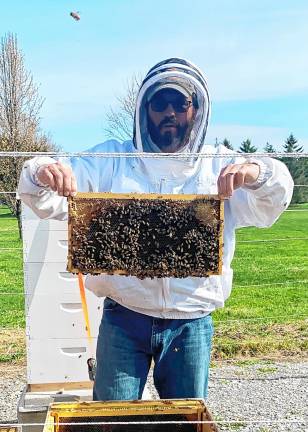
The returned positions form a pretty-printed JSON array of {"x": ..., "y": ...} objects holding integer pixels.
[{"x": 127, "y": 343}]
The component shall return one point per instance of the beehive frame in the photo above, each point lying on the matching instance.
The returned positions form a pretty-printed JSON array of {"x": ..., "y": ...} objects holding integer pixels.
[
  {"x": 126, "y": 411},
  {"x": 84, "y": 207}
]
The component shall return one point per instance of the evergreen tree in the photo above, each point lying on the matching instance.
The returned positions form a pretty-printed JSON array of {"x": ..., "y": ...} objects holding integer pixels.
[
  {"x": 291, "y": 146},
  {"x": 269, "y": 148},
  {"x": 298, "y": 168},
  {"x": 247, "y": 147},
  {"x": 227, "y": 144}
]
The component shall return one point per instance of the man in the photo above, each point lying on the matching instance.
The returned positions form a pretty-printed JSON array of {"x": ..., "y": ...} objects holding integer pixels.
[{"x": 167, "y": 320}]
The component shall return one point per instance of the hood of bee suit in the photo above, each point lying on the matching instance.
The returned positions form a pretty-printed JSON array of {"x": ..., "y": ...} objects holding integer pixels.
[
  {"x": 173, "y": 170},
  {"x": 173, "y": 72}
]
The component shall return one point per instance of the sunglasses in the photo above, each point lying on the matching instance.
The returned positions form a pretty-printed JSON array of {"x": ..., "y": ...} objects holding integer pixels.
[{"x": 160, "y": 102}]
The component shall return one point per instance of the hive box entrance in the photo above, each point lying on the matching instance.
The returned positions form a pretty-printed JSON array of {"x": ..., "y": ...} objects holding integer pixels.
[
  {"x": 145, "y": 235},
  {"x": 90, "y": 416}
]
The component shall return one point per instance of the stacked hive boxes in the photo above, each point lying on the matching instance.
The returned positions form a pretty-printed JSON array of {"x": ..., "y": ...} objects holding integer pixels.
[{"x": 57, "y": 344}]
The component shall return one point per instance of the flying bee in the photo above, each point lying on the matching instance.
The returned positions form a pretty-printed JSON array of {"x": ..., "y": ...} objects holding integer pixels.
[{"x": 75, "y": 15}]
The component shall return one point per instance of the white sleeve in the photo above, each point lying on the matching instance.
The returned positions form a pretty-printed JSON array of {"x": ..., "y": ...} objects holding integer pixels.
[
  {"x": 45, "y": 203},
  {"x": 263, "y": 205},
  {"x": 93, "y": 175}
]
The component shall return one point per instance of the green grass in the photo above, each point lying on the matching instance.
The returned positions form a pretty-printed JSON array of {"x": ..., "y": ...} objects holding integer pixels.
[
  {"x": 12, "y": 317},
  {"x": 267, "y": 311},
  {"x": 265, "y": 316},
  {"x": 11, "y": 273}
]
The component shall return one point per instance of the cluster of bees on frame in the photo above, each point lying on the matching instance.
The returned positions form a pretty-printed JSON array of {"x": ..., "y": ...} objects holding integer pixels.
[{"x": 148, "y": 238}]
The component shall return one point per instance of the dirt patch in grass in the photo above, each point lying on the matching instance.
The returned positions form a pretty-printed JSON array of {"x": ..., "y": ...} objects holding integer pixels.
[
  {"x": 12, "y": 370},
  {"x": 12, "y": 346}
]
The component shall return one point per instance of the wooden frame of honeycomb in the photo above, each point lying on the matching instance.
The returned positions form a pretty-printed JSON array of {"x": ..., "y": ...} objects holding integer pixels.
[
  {"x": 177, "y": 410},
  {"x": 145, "y": 235}
]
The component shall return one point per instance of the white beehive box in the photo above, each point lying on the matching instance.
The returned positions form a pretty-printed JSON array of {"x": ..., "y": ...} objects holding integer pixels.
[{"x": 57, "y": 344}]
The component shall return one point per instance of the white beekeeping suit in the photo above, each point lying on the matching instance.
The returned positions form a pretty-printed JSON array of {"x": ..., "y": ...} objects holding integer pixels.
[{"x": 258, "y": 205}]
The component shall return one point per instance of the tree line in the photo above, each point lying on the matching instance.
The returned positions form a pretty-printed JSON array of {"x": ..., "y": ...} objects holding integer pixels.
[{"x": 298, "y": 167}]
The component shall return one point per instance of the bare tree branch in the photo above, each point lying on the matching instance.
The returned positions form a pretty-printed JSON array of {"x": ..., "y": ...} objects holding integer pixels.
[
  {"x": 20, "y": 105},
  {"x": 120, "y": 121}
]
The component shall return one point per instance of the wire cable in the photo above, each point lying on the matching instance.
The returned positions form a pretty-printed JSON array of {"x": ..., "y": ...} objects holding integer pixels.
[
  {"x": 17, "y": 154},
  {"x": 272, "y": 240},
  {"x": 167, "y": 422},
  {"x": 15, "y": 192},
  {"x": 271, "y": 283},
  {"x": 270, "y": 318},
  {"x": 238, "y": 241}
]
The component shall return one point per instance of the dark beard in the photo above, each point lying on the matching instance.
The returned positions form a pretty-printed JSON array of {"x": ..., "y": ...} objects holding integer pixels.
[{"x": 166, "y": 139}]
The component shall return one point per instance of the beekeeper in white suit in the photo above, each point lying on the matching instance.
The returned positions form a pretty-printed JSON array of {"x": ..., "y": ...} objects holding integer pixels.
[{"x": 167, "y": 320}]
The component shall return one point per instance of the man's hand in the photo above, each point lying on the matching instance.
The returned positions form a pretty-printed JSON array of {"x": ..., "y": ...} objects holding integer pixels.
[
  {"x": 235, "y": 176},
  {"x": 59, "y": 177}
]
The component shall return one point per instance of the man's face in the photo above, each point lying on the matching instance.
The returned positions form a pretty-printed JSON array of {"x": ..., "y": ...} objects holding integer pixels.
[{"x": 169, "y": 115}]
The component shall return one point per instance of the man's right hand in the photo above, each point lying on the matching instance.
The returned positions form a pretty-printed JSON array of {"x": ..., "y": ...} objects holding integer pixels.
[{"x": 59, "y": 177}]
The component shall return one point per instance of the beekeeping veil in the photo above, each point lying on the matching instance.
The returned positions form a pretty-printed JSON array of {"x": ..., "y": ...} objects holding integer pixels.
[{"x": 185, "y": 77}]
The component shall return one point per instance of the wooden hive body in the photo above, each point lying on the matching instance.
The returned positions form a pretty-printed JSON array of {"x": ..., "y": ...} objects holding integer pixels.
[{"x": 92, "y": 415}]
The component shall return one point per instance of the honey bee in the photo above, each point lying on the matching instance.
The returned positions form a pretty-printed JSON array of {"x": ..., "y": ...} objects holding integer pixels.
[{"x": 75, "y": 15}]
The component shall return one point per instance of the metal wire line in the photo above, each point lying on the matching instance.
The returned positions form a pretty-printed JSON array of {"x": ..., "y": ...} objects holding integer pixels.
[
  {"x": 238, "y": 241},
  {"x": 15, "y": 192},
  {"x": 270, "y": 240},
  {"x": 235, "y": 362},
  {"x": 272, "y": 318},
  {"x": 278, "y": 378},
  {"x": 301, "y": 281},
  {"x": 290, "y": 282},
  {"x": 166, "y": 422},
  {"x": 10, "y": 249},
  {"x": 240, "y": 361},
  {"x": 234, "y": 287},
  {"x": 227, "y": 321},
  {"x": 147, "y": 155}
]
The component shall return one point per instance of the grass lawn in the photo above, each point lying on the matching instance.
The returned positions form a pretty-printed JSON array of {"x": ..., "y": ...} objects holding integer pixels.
[
  {"x": 266, "y": 315},
  {"x": 12, "y": 319},
  {"x": 268, "y": 308}
]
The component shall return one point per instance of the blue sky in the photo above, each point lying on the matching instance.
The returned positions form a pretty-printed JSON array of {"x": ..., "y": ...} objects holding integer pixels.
[{"x": 253, "y": 52}]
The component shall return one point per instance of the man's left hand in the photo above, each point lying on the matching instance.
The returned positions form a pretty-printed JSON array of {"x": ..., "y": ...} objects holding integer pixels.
[{"x": 235, "y": 176}]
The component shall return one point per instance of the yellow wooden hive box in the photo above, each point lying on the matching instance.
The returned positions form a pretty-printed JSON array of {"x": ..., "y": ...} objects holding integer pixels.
[
  {"x": 131, "y": 416},
  {"x": 145, "y": 235}
]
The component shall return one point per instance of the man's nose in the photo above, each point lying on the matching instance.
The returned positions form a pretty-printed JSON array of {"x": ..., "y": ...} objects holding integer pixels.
[{"x": 169, "y": 110}]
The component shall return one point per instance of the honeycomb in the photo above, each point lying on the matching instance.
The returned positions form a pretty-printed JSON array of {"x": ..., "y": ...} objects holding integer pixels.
[{"x": 145, "y": 235}]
